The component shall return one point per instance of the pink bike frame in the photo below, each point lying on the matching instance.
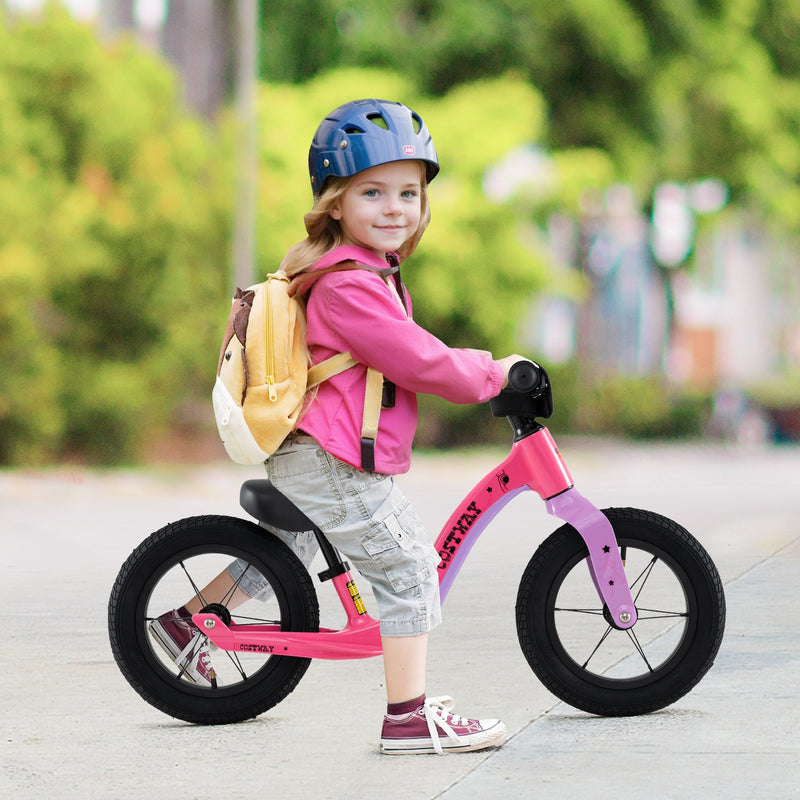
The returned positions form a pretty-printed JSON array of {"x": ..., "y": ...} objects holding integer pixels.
[{"x": 533, "y": 464}]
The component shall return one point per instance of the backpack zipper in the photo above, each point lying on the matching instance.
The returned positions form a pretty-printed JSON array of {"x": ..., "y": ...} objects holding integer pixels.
[{"x": 273, "y": 392}]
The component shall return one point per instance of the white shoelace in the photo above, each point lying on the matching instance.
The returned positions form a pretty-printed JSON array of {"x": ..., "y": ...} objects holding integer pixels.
[
  {"x": 437, "y": 714},
  {"x": 198, "y": 652}
]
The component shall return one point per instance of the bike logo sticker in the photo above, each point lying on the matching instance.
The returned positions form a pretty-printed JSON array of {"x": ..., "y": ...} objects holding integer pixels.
[
  {"x": 256, "y": 648},
  {"x": 503, "y": 480},
  {"x": 457, "y": 534}
]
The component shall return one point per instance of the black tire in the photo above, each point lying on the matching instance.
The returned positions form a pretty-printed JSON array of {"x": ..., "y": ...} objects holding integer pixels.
[
  {"x": 168, "y": 569},
  {"x": 591, "y": 665}
]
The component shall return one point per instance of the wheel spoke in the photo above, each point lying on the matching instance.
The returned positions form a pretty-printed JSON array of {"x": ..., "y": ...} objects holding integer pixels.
[
  {"x": 195, "y": 587},
  {"x": 255, "y": 620},
  {"x": 233, "y": 657},
  {"x": 230, "y": 593},
  {"x": 653, "y": 613},
  {"x": 597, "y": 646},
  {"x": 595, "y": 611},
  {"x": 643, "y": 577},
  {"x": 639, "y": 649}
]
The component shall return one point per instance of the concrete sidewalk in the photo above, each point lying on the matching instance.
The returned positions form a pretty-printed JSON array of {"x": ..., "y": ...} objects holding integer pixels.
[
  {"x": 72, "y": 727},
  {"x": 736, "y": 736}
]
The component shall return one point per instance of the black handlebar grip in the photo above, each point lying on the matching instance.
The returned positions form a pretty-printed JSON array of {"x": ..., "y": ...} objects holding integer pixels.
[{"x": 524, "y": 376}]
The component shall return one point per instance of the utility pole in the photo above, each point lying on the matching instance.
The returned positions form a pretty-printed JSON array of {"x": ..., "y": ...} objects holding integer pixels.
[
  {"x": 212, "y": 44},
  {"x": 245, "y": 214},
  {"x": 195, "y": 40}
]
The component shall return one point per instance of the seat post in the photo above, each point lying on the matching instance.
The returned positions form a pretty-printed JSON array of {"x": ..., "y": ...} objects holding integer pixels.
[{"x": 336, "y": 565}]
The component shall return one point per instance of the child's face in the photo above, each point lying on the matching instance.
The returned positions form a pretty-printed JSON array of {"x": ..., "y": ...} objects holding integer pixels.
[{"x": 380, "y": 208}]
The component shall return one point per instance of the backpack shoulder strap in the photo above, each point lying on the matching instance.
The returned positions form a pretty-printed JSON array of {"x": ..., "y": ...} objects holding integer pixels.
[
  {"x": 328, "y": 368},
  {"x": 373, "y": 394},
  {"x": 361, "y": 255},
  {"x": 340, "y": 362},
  {"x": 369, "y": 421}
]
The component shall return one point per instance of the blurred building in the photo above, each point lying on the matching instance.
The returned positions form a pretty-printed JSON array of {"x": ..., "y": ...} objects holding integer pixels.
[
  {"x": 729, "y": 318},
  {"x": 738, "y": 312}
]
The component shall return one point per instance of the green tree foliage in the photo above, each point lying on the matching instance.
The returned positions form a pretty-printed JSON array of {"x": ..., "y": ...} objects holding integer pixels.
[
  {"x": 115, "y": 204},
  {"x": 728, "y": 104},
  {"x": 670, "y": 89},
  {"x": 115, "y": 220},
  {"x": 114, "y": 224}
]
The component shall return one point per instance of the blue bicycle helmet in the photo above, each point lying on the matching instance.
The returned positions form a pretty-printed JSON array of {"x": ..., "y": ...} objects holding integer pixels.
[{"x": 365, "y": 133}]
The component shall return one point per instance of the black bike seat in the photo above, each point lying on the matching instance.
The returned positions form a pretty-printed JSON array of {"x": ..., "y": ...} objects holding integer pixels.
[{"x": 262, "y": 500}]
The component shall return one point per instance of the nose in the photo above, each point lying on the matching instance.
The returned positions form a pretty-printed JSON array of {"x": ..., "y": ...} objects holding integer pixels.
[{"x": 392, "y": 205}]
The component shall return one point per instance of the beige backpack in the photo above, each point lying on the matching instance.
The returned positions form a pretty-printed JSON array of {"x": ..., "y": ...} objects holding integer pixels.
[{"x": 263, "y": 374}]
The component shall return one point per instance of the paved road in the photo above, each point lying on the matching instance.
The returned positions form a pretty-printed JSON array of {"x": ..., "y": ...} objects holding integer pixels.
[{"x": 71, "y": 727}]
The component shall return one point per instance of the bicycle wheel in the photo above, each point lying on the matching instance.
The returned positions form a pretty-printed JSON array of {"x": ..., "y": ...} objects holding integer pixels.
[
  {"x": 165, "y": 572},
  {"x": 568, "y": 640}
]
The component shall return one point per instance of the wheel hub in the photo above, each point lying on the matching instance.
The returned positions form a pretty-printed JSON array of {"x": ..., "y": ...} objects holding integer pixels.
[
  {"x": 612, "y": 622},
  {"x": 219, "y": 610}
]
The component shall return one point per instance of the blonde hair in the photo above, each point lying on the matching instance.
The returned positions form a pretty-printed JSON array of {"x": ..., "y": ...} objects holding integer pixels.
[{"x": 325, "y": 233}]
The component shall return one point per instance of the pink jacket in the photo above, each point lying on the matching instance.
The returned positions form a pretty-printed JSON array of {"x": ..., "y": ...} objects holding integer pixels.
[{"x": 357, "y": 311}]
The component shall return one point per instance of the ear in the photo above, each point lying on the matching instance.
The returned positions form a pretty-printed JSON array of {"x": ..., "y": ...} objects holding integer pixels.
[{"x": 336, "y": 212}]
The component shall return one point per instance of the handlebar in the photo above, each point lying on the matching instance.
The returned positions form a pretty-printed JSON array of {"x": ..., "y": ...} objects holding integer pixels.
[
  {"x": 524, "y": 376},
  {"x": 527, "y": 396}
]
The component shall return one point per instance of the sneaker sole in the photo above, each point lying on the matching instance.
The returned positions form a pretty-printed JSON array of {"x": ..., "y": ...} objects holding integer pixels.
[
  {"x": 492, "y": 737},
  {"x": 165, "y": 642}
]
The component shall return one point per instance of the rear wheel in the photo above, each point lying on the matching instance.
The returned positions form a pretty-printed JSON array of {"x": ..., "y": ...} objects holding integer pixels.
[
  {"x": 568, "y": 639},
  {"x": 172, "y": 566}
]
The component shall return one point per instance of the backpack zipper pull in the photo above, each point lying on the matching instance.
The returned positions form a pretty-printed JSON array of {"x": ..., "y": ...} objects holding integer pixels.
[{"x": 269, "y": 338}]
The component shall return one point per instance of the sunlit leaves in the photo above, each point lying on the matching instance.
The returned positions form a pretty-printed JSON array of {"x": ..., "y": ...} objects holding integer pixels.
[{"x": 114, "y": 227}]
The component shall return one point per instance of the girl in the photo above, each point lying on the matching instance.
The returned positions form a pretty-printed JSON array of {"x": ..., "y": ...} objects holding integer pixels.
[{"x": 370, "y": 163}]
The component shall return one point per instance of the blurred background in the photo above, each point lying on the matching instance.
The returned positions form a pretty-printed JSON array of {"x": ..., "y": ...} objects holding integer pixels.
[{"x": 618, "y": 199}]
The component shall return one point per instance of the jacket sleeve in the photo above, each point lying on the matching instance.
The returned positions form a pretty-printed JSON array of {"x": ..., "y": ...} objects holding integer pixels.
[{"x": 359, "y": 313}]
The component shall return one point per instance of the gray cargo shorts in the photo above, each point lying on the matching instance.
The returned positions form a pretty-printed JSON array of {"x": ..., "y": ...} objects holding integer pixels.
[{"x": 370, "y": 522}]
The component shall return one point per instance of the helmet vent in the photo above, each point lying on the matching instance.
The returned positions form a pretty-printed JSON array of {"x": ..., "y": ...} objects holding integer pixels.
[
  {"x": 363, "y": 134},
  {"x": 377, "y": 119}
]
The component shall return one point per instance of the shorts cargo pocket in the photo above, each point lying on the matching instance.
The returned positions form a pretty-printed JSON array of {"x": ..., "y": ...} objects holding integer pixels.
[
  {"x": 398, "y": 544},
  {"x": 301, "y": 472}
]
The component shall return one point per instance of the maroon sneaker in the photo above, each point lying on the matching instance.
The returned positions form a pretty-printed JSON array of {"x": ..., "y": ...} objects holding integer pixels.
[
  {"x": 433, "y": 729},
  {"x": 185, "y": 645}
]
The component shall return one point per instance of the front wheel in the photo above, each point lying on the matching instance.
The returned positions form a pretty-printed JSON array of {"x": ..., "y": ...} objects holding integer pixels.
[
  {"x": 240, "y": 572},
  {"x": 569, "y": 643}
]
